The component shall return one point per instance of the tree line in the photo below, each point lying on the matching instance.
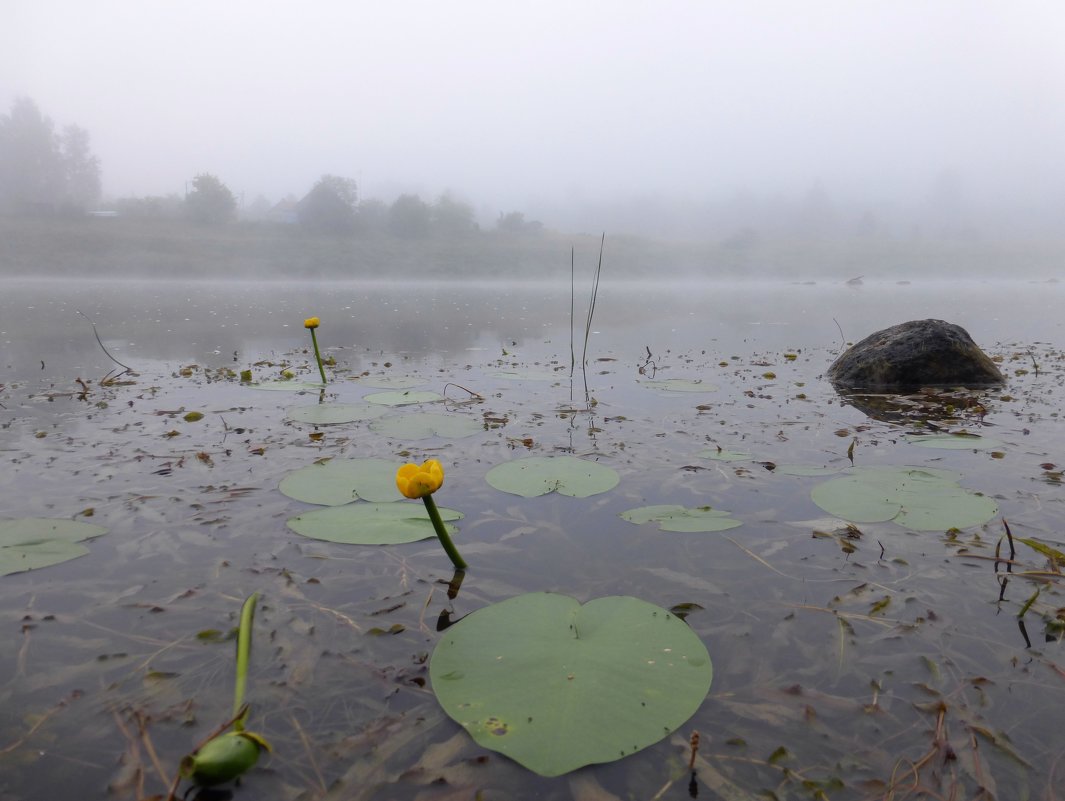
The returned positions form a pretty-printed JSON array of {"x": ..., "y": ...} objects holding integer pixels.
[{"x": 45, "y": 172}]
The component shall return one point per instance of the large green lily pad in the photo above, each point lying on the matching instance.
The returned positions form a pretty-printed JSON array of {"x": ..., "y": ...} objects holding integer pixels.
[
  {"x": 31, "y": 543},
  {"x": 325, "y": 414},
  {"x": 555, "y": 685},
  {"x": 371, "y": 523},
  {"x": 341, "y": 481},
  {"x": 919, "y": 498},
  {"x": 539, "y": 475},
  {"x": 422, "y": 425},
  {"x": 672, "y": 517},
  {"x": 954, "y": 442}
]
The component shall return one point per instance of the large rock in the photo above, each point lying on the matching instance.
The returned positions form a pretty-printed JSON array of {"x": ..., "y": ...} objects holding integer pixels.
[{"x": 920, "y": 353}]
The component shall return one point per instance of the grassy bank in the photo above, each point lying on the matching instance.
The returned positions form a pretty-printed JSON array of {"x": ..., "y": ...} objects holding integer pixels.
[{"x": 175, "y": 249}]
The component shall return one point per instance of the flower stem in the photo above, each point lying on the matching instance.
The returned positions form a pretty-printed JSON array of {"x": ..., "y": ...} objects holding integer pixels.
[
  {"x": 318, "y": 356},
  {"x": 441, "y": 533},
  {"x": 247, "y": 615}
]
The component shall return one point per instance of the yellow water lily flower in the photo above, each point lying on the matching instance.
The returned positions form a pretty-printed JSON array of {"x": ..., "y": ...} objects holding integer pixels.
[
  {"x": 312, "y": 322},
  {"x": 418, "y": 481}
]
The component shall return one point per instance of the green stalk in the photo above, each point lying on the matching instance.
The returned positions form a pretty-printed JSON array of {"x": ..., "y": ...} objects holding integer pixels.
[
  {"x": 318, "y": 356},
  {"x": 247, "y": 615},
  {"x": 441, "y": 533}
]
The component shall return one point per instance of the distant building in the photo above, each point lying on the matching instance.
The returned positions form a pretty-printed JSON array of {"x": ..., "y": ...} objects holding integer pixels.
[{"x": 284, "y": 211}]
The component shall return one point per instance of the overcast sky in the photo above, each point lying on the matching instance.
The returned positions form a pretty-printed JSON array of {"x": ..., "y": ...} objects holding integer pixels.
[{"x": 508, "y": 103}]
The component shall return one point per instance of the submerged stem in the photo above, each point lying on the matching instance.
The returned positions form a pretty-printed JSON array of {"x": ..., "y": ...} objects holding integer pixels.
[
  {"x": 318, "y": 356},
  {"x": 441, "y": 533}
]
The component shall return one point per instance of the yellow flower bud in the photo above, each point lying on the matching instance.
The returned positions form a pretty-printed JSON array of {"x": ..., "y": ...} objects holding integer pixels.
[
  {"x": 312, "y": 322},
  {"x": 223, "y": 758},
  {"x": 417, "y": 481}
]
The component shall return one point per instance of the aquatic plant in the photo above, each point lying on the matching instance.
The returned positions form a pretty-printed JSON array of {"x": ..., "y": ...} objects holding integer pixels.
[
  {"x": 227, "y": 755},
  {"x": 421, "y": 481},
  {"x": 311, "y": 323}
]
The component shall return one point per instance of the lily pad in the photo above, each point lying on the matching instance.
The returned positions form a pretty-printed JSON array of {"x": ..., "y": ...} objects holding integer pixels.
[
  {"x": 341, "y": 481},
  {"x": 422, "y": 425},
  {"x": 922, "y": 499},
  {"x": 325, "y": 414},
  {"x": 371, "y": 523},
  {"x": 539, "y": 475},
  {"x": 954, "y": 442},
  {"x": 404, "y": 398},
  {"x": 672, "y": 517},
  {"x": 555, "y": 685},
  {"x": 679, "y": 385},
  {"x": 35, "y": 542}
]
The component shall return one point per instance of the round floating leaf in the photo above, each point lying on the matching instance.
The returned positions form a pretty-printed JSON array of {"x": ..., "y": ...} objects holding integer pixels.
[
  {"x": 391, "y": 381},
  {"x": 405, "y": 398},
  {"x": 679, "y": 385},
  {"x": 34, "y": 542},
  {"x": 288, "y": 386},
  {"x": 922, "y": 499},
  {"x": 721, "y": 455},
  {"x": 555, "y": 685},
  {"x": 539, "y": 475},
  {"x": 324, "y": 414},
  {"x": 422, "y": 425},
  {"x": 525, "y": 375},
  {"x": 341, "y": 481},
  {"x": 671, "y": 517},
  {"x": 371, "y": 524},
  {"x": 954, "y": 442}
]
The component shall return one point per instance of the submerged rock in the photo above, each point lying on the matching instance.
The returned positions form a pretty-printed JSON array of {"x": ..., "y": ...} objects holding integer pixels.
[{"x": 918, "y": 353}]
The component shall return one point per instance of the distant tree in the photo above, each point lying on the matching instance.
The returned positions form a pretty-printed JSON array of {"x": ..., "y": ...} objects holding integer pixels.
[
  {"x": 515, "y": 222},
  {"x": 410, "y": 217},
  {"x": 41, "y": 171},
  {"x": 452, "y": 217},
  {"x": 372, "y": 215},
  {"x": 157, "y": 207},
  {"x": 210, "y": 202},
  {"x": 330, "y": 205}
]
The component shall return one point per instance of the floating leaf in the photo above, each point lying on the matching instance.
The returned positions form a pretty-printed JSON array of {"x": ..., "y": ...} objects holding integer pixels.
[
  {"x": 405, "y": 398},
  {"x": 341, "y": 481},
  {"x": 959, "y": 441},
  {"x": 31, "y": 543},
  {"x": 539, "y": 475},
  {"x": 679, "y": 385},
  {"x": 422, "y": 425},
  {"x": 671, "y": 517},
  {"x": 371, "y": 523},
  {"x": 923, "y": 499},
  {"x": 193, "y": 417},
  {"x": 1046, "y": 550},
  {"x": 555, "y": 685},
  {"x": 324, "y": 414}
]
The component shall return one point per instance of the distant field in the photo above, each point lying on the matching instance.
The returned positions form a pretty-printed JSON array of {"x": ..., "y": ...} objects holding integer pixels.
[{"x": 175, "y": 249}]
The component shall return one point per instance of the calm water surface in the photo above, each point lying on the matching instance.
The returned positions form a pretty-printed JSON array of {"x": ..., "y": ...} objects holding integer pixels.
[{"x": 842, "y": 665}]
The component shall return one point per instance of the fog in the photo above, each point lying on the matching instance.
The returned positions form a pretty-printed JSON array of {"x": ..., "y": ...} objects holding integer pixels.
[{"x": 648, "y": 118}]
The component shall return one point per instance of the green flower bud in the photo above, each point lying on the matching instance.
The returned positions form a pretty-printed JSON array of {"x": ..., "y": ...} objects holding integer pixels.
[{"x": 223, "y": 758}]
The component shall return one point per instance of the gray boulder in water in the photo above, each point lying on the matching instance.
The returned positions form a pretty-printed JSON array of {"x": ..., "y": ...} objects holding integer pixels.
[{"x": 919, "y": 353}]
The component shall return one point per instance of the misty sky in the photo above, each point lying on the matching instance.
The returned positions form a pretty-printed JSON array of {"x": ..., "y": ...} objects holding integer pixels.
[{"x": 510, "y": 103}]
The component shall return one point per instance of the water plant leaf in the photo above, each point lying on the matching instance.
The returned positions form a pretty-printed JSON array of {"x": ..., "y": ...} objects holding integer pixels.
[
  {"x": 556, "y": 685},
  {"x": 324, "y": 414},
  {"x": 341, "y": 481},
  {"x": 371, "y": 523},
  {"x": 30, "y": 543},
  {"x": 539, "y": 475},
  {"x": 404, "y": 398},
  {"x": 922, "y": 499},
  {"x": 1046, "y": 550},
  {"x": 672, "y": 517},
  {"x": 422, "y": 425},
  {"x": 679, "y": 385},
  {"x": 959, "y": 441}
]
